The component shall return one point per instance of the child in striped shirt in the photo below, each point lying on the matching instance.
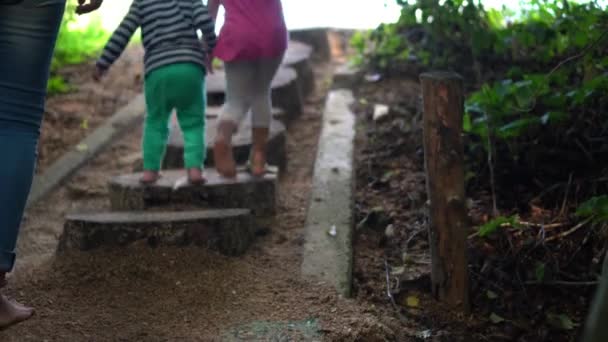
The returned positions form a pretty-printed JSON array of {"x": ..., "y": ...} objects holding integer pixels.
[{"x": 175, "y": 67}]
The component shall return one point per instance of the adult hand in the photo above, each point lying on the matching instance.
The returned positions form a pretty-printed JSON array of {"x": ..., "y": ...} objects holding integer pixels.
[{"x": 85, "y": 6}]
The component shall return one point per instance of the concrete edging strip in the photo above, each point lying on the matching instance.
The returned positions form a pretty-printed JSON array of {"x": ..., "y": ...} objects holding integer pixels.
[
  {"x": 328, "y": 250},
  {"x": 118, "y": 124}
]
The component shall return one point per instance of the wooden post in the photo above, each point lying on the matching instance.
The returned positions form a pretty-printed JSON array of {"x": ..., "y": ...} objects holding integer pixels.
[{"x": 443, "y": 153}]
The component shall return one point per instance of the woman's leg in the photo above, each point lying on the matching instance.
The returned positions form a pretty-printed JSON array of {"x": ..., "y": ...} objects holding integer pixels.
[
  {"x": 28, "y": 32},
  {"x": 261, "y": 109},
  {"x": 240, "y": 78}
]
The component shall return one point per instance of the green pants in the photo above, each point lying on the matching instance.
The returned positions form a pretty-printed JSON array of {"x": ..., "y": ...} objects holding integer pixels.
[{"x": 180, "y": 87}]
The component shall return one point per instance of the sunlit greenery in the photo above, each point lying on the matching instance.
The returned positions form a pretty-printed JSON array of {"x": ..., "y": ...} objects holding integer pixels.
[{"x": 537, "y": 80}]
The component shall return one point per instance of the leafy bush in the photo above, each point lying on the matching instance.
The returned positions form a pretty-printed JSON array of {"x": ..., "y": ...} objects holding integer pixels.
[
  {"x": 539, "y": 82},
  {"x": 75, "y": 45}
]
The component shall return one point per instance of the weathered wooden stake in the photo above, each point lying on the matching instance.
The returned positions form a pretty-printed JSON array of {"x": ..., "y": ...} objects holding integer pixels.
[{"x": 443, "y": 152}]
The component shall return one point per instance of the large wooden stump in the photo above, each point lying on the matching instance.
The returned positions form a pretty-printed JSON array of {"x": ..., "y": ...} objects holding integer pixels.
[
  {"x": 298, "y": 57},
  {"x": 228, "y": 231},
  {"x": 258, "y": 195},
  {"x": 285, "y": 91},
  {"x": 443, "y": 111},
  {"x": 315, "y": 37},
  {"x": 241, "y": 142}
]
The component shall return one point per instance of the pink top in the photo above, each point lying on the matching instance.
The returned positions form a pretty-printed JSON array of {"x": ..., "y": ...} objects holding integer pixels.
[{"x": 252, "y": 29}]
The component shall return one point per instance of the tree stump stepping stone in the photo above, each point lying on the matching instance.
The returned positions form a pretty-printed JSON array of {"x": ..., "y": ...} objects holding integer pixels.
[
  {"x": 317, "y": 38},
  {"x": 241, "y": 142},
  {"x": 285, "y": 91},
  {"x": 126, "y": 193},
  {"x": 298, "y": 57},
  {"x": 228, "y": 231}
]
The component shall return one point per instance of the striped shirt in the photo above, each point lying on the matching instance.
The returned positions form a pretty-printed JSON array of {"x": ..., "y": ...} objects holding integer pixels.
[{"x": 169, "y": 31}]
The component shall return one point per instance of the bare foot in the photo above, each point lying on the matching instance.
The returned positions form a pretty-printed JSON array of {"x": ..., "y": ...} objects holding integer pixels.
[
  {"x": 149, "y": 177},
  {"x": 258, "y": 163},
  {"x": 222, "y": 150},
  {"x": 195, "y": 176},
  {"x": 12, "y": 312}
]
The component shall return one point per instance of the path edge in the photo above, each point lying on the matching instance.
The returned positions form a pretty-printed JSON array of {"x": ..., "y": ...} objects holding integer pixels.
[
  {"x": 328, "y": 252},
  {"x": 113, "y": 128}
]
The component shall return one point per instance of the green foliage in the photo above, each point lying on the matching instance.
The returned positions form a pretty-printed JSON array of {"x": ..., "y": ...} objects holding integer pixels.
[
  {"x": 538, "y": 79},
  {"x": 75, "y": 45},
  {"x": 492, "y": 226},
  {"x": 595, "y": 208}
]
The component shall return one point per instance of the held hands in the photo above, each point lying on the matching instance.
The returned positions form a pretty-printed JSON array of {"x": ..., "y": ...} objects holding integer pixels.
[
  {"x": 209, "y": 64},
  {"x": 98, "y": 74},
  {"x": 87, "y": 6}
]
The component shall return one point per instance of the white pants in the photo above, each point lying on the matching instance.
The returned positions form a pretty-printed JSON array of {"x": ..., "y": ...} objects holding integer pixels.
[{"x": 248, "y": 88}]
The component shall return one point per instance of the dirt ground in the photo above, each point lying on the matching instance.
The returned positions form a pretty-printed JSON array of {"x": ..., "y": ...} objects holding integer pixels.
[
  {"x": 72, "y": 116},
  {"x": 170, "y": 294},
  {"x": 509, "y": 303}
]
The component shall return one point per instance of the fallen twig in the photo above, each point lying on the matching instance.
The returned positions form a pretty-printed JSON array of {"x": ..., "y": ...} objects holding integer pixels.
[
  {"x": 389, "y": 293},
  {"x": 563, "y": 283},
  {"x": 565, "y": 202},
  {"x": 569, "y": 231}
]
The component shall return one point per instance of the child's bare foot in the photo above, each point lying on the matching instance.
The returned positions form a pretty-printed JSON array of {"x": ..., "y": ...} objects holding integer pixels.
[
  {"x": 195, "y": 176},
  {"x": 258, "y": 163},
  {"x": 12, "y": 312},
  {"x": 149, "y": 177},
  {"x": 222, "y": 150}
]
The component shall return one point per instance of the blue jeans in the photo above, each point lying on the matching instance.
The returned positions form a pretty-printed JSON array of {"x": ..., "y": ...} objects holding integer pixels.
[{"x": 28, "y": 32}]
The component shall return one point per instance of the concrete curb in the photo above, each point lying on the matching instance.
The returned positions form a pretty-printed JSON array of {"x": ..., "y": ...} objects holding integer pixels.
[
  {"x": 328, "y": 250},
  {"x": 118, "y": 124}
]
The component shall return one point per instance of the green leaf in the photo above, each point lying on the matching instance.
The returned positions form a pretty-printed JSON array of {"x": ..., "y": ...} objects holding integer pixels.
[
  {"x": 493, "y": 225},
  {"x": 595, "y": 207},
  {"x": 553, "y": 117},
  {"x": 491, "y": 294},
  {"x": 560, "y": 322},
  {"x": 517, "y": 127},
  {"x": 494, "y": 318},
  {"x": 539, "y": 271}
]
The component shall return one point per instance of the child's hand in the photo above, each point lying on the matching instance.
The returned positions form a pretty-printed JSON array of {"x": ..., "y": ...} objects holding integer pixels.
[
  {"x": 209, "y": 63},
  {"x": 98, "y": 74}
]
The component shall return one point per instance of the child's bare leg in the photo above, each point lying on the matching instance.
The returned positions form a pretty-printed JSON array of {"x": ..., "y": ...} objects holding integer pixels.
[{"x": 222, "y": 149}]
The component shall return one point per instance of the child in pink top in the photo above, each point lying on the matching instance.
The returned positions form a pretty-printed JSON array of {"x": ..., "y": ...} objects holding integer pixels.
[{"x": 251, "y": 43}]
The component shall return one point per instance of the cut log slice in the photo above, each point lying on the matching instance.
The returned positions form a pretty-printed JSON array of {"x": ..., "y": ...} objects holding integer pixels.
[
  {"x": 298, "y": 56},
  {"x": 172, "y": 189},
  {"x": 228, "y": 231},
  {"x": 241, "y": 141},
  {"x": 317, "y": 38}
]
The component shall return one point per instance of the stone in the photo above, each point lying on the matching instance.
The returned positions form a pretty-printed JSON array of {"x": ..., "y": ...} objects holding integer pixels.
[
  {"x": 380, "y": 111},
  {"x": 298, "y": 56},
  {"x": 317, "y": 38},
  {"x": 285, "y": 91},
  {"x": 329, "y": 257},
  {"x": 346, "y": 76},
  {"x": 229, "y": 231},
  {"x": 276, "y": 147},
  {"x": 259, "y": 195}
]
